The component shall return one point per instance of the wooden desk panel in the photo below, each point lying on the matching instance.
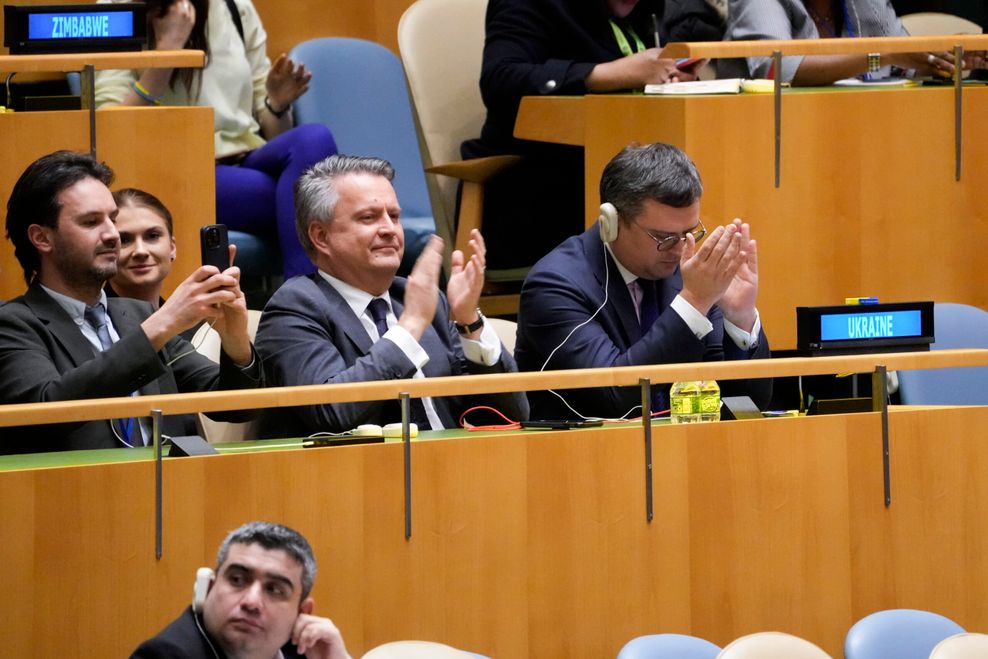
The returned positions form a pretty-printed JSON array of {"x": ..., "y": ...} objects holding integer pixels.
[
  {"x": 868, "y": 203},
  {"x": 167, "y": 151},
  {"x": 533, "y": 544}
]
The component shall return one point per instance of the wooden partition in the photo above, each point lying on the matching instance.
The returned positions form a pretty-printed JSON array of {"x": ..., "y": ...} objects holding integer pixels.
[
  {"x": 867, "y": 205},
  {"x": 167, "y": 151},
  {"x": 529, "y": 545},
  {"x": 523, "y": 544}
]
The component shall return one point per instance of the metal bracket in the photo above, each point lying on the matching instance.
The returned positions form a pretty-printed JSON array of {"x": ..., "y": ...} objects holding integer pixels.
[
  {"x": 777, "y": 92},
  {"x": 405, "y": 402},
  {"x": 958, "y": 108},
  {"x": 87, "y": 89},
  {"x": 879, "y": 403},
  {"x": 156, "y": 439},
  {"x": 646, "y": 387}
]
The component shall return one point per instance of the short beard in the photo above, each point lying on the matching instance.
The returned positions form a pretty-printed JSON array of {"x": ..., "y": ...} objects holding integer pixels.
[{"x": 89, "y": 275}]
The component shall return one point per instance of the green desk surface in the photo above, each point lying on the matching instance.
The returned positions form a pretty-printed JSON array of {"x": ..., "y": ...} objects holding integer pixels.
[{"x": 105, "y": 456}]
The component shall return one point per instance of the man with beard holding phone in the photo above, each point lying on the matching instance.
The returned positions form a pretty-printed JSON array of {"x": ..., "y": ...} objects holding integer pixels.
[{"x": 65, "y": 340}]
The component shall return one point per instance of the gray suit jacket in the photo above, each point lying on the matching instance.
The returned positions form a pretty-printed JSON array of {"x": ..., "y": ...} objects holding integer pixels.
[
  {"x": 755, "y": 20},
  {"x": 45, "y": 357},
  {"x": 308, "y": 334}
]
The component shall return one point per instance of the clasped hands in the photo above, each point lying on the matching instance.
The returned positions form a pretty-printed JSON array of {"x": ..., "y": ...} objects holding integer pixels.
[
  {"x": 723, "y": 271},
  {"x": 466, "y": 281}
]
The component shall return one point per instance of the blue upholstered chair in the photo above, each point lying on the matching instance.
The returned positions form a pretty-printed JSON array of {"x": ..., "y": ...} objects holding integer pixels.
[
  {"x": 956, "y": 326},
  {"x": 668, "y": 646},
  {"x": 358, "y": 89},
  {"x": 898, "y": 634}
]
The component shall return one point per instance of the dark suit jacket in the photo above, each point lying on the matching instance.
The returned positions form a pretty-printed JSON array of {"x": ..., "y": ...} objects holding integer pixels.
[
  {"x": 45, "y": 357},
  {"x": 566, "y": 287},
  {"x": 182, "y": 639},
  {"x": 309, "y": 335}
]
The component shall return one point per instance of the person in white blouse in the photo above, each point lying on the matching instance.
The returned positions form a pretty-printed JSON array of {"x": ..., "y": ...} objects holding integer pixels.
[{"x": 259, "y": 152}]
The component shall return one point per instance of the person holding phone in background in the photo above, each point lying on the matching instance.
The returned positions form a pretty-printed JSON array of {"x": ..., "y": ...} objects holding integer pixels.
[
  {"x": 147, "y": 249},
  {"x": 256, "y": 605},
  {"x": 64, "y": 339},
  {"x": 563, "y": 47},
  {"x": 259, "y": 152}
]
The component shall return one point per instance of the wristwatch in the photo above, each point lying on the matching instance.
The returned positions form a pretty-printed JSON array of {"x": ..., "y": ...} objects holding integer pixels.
[
  {"x": 466, "y": 330},
  {"x": 874, "y": 62}
]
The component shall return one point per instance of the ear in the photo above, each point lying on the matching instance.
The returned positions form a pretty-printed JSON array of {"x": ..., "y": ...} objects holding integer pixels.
[
  {"x": 174, "y": 251},
  {"x": 307, "y": 606},
  {"x": 41, "y": 238},
  {"x": 318, "y": 234}
]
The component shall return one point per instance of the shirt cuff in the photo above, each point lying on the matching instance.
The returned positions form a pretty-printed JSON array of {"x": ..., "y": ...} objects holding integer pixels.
[
  {"x": 699, "y": 324},
  {"x": 742, "y": 339},
  {"x": 486, "y": 350},
  {"x": 408, "y": 345}
]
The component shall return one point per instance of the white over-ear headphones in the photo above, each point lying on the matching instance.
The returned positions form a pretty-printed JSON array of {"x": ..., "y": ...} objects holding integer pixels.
[
  {"x": 608, "y": 222},
  {"x": 204, "y": 579}
]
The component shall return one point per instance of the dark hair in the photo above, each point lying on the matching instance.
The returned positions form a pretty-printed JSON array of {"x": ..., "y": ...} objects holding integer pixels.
[
  {"x": 141, "y": 199},
  {"x": 274, "y": 536},
  {"x": 652, "y": 171},
  {"x": 315, "y": 193},
  {"x": 35, "y": 199},
  {"x": 198, "y": 40}
]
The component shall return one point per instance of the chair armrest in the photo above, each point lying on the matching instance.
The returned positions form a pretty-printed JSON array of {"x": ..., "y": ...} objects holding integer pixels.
[{"x": 475, "y": 170}]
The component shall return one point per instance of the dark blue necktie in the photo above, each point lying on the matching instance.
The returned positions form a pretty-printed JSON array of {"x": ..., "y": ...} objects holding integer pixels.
[
  {"x": 649, "y": 310},
  {"x": 648, "y": 313},
  {"x": 378, "y": 310},
  {"x": 95, "y": 315}
]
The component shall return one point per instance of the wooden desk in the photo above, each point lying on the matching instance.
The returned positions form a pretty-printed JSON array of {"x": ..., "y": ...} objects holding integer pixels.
[
  {"x": 868, "y": 204},
  {"x": 167, "y": 151},
  {"x": 529, "y": 545},
  {"x": 525, "y": 544}
]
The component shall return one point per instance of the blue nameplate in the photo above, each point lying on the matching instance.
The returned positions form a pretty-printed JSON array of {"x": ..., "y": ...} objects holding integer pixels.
[
  {"x": 873, "y": 328},
  {"x": 77, "y": 28}
]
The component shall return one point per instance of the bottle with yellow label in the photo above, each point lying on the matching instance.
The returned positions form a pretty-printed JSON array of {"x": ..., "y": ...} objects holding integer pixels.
[
  {"x": 709, "y": 400},
  {"x": 684, "y": 402}
]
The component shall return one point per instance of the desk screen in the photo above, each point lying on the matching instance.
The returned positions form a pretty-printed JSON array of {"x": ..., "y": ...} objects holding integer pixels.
[
  {"x": 87, "y": 25},
  {"x": 870, "y": 325}
]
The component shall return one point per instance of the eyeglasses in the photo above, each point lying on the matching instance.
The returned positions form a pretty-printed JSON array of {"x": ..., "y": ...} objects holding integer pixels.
[{"x": 665, "y": 242}]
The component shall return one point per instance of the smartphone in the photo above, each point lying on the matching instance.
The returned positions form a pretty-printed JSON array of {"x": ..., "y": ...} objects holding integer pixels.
[
  {"x": 215, "y": 245},
  {"x": 544, "y": 424},
  {"x": 687, "y": 63}
]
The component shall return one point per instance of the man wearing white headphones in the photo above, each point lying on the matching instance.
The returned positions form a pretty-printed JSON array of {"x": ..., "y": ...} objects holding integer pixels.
[
  {"x": 255, "y": 606},
  {"x": 639, "y": 288}
]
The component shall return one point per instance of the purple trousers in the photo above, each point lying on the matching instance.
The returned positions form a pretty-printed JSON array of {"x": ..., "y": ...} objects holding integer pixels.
[{"x": 257, "y": 195}]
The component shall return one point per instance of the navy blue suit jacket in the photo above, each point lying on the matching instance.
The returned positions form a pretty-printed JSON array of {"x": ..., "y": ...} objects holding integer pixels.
[
  {"x": 566, "y": 287},
  {"x": 308, "y": 334}
]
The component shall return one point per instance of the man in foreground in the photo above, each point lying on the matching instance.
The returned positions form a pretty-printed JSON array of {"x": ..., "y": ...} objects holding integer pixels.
[{"x": 256, "y": 604}]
